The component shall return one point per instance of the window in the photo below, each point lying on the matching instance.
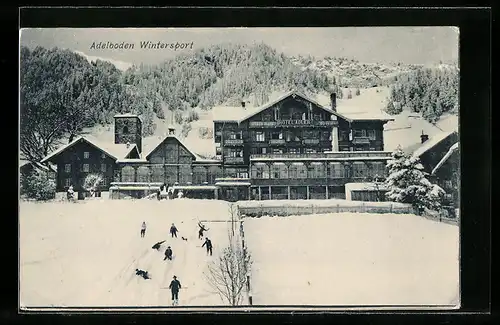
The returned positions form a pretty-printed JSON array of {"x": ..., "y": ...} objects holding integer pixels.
[
  {"x": 343, "y": 136},
  {"x": 242, "y": 174},
  {"x": 67, "y": 168},
  {"x": 371, "y": 134},
  {"x": 67, "y": 182},
  {"x": 104, "y": 181},
  {"x": 103, "y": 168},
  {"x": 293, "y": 150},
  {"x": 297, "y": 170},
  {"x": 336, "y": 170},
  {"x": 103, "y": 155},
  {"x": 277, "y": 150},
  {"x": 276, "y": 135},
  {"x": 359, "y": 170},
  {"x": 125, "y": 130},
  {"x": 86, "y": 155},
  {"x": 264, "y": 150},
  {"x": 279, "y": 171},
  {"x": 378, "y": 169},
  {"x": 326, "y": 136},
  {"x": 218, "y": 151},
  {"x": 359, "y": 133},
  {"x": 310, "y": 150},
  {"x": 86, "y": 168},
  {"x": 260, "y": 171},
  {"x": 260, "y": 136},
  {"x": 317, "y": 170}
]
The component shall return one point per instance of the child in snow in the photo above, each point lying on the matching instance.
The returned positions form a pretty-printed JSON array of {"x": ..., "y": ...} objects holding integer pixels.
[
  {"x": 202, "y": 229},
  {"x": 157, "y": 245},
  {"x": 174, "y": 286},
  {"x": 168, "y": 253},
  {"x": 143, "y": 229},
  {"x": 173, "y": 231},
  {"x": 208, "y": 243},
  {"x": 143, "y": 274},
  {"x": 70, "y": 193}
]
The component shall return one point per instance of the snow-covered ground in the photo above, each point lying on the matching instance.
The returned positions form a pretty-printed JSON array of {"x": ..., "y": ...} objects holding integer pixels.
[
  {"x": 85, "y": 254},
  {"x": 353, "y": 259}
]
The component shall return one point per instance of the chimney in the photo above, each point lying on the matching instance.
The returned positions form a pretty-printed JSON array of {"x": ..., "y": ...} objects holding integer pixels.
[
  {"x": 128, "y": 145},
  {"x": 423, "y": 137},
  {"x": 171, "y": 130},
  {"x": 333, "y": 101},
  {"x": 243, "y": 104}
]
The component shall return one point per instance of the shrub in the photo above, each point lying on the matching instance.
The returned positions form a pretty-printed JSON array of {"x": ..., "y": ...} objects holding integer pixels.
[{"x": 38, "y": 185}]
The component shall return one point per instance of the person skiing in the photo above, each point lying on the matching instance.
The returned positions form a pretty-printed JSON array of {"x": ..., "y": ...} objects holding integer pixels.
[
  {"x": 208, "y": 243},
  {"x": 202, "y": 229},
  {"x": 143, "y": 229},
  {"x": 168, "y": 253},
  {"x": 174, "y": 286},
  {"x": 143, "y": 274},
  {"x": 173, "y": 231},
  {"x": 157, "y": 245}
]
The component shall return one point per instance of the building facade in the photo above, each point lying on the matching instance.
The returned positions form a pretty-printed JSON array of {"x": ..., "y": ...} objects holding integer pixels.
[{"x": 290, "y": 148}]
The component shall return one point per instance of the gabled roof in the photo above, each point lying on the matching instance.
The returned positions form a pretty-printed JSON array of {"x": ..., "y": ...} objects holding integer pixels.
[
  {"x": 454, "y": 148},
  {"x": 116, "y": 151},
  {"x": 431, "y": 143},
  {"x": 24, "y": 163},
  {"x": 154, "y": 148}
]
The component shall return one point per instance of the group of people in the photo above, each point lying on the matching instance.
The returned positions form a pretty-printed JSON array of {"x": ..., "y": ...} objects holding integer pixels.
[
  {"x": 175, "y": 285},
  {"x": 169, "y": 192}
]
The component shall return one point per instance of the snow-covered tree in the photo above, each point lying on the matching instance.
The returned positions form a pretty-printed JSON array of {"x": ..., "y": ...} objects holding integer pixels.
[
  {"x": 407, "y": 183},
  {"x": 91, "y": 183}
]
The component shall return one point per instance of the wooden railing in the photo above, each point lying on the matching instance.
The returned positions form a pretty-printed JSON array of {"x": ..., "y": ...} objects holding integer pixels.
[
  {"x": 233, "y": 160},
  {"x": 233, "y": 142},
  {"x": 276, "y": 141},
  {"x": 326, "y": 155},
  {"x": 310, "y": 141},
  {"x": 291, "y": 123},
  {"x": 361, "y": 140}
]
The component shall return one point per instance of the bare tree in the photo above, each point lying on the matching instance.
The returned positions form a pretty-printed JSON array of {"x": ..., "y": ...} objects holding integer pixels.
[
  {"x": 227, "y": 275},
  {"x": 234, "y": 213}
]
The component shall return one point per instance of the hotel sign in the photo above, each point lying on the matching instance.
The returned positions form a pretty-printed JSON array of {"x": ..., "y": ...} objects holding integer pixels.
[{"x": 291, "y": 123}]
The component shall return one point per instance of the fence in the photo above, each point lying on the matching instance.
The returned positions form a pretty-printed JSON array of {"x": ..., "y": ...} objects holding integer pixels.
[{"x": 291, "y": 207}]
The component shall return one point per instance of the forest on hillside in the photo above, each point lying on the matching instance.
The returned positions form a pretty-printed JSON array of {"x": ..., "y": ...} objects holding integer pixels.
[{"x": 430, "y": 92}]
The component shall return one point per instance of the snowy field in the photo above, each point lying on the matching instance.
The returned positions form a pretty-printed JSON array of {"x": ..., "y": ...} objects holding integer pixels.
[
  {"x": 353, "y": 259},
  {"x": 86, "y": 253}
]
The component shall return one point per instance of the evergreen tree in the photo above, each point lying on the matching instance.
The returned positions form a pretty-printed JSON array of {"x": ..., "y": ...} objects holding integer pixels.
[{"x": 407, "y": 183}]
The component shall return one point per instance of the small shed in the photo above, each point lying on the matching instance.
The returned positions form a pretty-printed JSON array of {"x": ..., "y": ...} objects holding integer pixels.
[{"x": 371, "y": 192}]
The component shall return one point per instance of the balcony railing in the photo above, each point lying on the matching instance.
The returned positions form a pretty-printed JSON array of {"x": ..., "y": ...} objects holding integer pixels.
[
  {"x": 325, "y": 155},
  {"x": 310, "y": 141},
  {"x": 233, "y": 142},
  {"x": 233, "y": 160},
  {"x": 361, "y": 140},
  {"x": 291, "y": 123},
  {"x": 276, "y": 141}
]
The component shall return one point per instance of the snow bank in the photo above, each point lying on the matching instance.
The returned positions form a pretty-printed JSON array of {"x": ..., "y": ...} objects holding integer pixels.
[{"x": 353, "y": 259}]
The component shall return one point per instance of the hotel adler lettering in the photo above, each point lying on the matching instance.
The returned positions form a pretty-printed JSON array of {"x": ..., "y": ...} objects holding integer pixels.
[{"x": 290, "y": 148}]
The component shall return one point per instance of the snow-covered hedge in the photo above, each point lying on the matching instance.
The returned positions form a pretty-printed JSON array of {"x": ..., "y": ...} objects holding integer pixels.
[{"x": 301, "y": 207}]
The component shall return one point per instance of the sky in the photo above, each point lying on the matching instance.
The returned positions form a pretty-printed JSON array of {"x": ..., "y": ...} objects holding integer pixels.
[{"x": 410, "y": 45}]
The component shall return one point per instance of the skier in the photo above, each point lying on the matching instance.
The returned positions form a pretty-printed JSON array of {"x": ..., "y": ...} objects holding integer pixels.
[
  {"x": 143, "y": 229},
  {"x": 157, "y": 245},
  {"x": 168, "y": 253},
  {"x": 174, "y": 286},
  {"x": 208, "y": 243},
  {"x": 202, "y": 229},
  {"x": 143, "y": 274},
  {"x": 173, "y": 231}
]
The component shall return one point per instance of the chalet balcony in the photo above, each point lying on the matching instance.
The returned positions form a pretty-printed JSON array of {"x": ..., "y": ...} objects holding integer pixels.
[
  {"x": 233, "y": 142},
  {"x": 233, "y": 160},
  {"x": 292, "y": 123},
  {"x": 310, "y": 141},
  {"x": 274, "y": 142},
  {"x": 361, "y": 140},
  {"x": 341, "y": 155}
]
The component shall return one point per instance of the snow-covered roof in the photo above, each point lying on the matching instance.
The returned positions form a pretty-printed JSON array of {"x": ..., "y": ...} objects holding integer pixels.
[
  {"x": 23, "y": 163},
  {"x": 170, "y": 136},
  {"x": 367, "y": 116},
  {"x": 126, "y": 115},
  {"x": 454, "y": 148},
  {"x": 368, "y": 186},
  {"x": 116, "y": 151},
  {"x": 431, "y": 143},
  {"x": 230, "y": 113}
]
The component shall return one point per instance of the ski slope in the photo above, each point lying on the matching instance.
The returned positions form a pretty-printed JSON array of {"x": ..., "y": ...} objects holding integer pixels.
[
  {"x": 86, "y": 253},
  {"x": 353, "y": 259}
]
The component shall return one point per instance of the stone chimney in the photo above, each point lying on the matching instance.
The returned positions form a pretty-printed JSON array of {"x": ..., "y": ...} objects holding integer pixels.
[
  {"x": 423, "y": 137},
  {"x": 333, "y": 101},
  {"x": 243, "y": 104},
  {"x": 128, "y": 145},
  {"x": 171, "y": 130}
]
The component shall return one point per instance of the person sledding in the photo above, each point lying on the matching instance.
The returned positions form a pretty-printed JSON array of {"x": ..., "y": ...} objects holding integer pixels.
[
  {"x": 208, "y": 244},
  {"x": 202, "y": 229},
  {"x": 143, "y": 274},
  {"x": 168, "y": 254},
  {"x": 174, "y": 286},
  {"x": 157, "y": 245},
  {"x": 173, "y": 231}
]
